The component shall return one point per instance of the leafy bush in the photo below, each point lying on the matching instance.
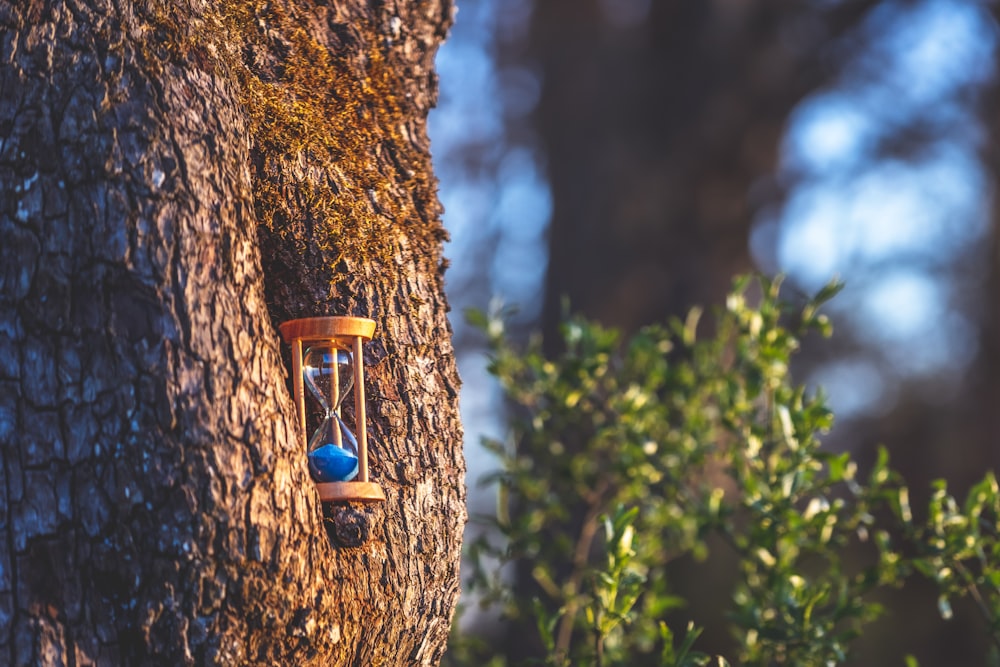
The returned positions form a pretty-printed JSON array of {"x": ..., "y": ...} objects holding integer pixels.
[{"x": 628, "y": 454}]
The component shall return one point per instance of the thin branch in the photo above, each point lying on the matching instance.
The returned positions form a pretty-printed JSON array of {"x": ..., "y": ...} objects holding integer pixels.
[
  {"x": 580, "y": 558},
  {"x": 974, "y": 593}
]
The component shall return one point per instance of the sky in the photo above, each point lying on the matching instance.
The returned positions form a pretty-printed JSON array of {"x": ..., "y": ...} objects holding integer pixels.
[{"x": 893, "y": 228}]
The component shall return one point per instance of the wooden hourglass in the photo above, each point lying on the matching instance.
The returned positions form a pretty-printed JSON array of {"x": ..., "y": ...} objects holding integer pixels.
[{"x": 331, "y": 365}]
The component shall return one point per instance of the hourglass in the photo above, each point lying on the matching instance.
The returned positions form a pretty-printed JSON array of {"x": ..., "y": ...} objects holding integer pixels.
[{"x": 330, "y": 367}]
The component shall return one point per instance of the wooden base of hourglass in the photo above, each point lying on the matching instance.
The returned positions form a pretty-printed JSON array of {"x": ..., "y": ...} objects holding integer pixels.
[{"x": 361, "y": 492}]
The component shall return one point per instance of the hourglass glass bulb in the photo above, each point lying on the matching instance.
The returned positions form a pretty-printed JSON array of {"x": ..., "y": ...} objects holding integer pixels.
[
  {"x": 329, "y": 373},
  {"x": 330, "y": 460}
]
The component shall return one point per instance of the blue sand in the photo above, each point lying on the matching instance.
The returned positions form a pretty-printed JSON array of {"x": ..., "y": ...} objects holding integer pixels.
[{"x": 331, "y": 463}]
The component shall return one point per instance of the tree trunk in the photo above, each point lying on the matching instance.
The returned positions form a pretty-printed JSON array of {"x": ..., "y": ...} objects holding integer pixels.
[{"x": 175, "y": 179}]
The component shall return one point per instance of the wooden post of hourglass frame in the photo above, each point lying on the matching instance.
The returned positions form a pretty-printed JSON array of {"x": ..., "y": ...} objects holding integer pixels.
[
  {"x": 297, "y": 388},
  {"x": 348, "y": 334},
  {"x": 361, "y": 423}
]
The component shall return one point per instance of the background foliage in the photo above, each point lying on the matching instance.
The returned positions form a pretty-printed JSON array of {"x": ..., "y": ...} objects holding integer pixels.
[{"x": 628, "y": 454}]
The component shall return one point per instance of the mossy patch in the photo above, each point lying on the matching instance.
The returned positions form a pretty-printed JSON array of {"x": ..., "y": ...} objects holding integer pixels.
[{"x": 330, "y": 160}]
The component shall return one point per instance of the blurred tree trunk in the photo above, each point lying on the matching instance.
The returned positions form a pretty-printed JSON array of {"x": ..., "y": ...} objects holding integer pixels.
[
  {"x": 661, "y": 128},
  {"x": 175, "y": 179},
  {"x": 985, "y": 389}
]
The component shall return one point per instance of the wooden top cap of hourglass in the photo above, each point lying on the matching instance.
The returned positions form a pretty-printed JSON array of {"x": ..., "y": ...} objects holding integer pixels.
[{"x": 327, "y": 328}]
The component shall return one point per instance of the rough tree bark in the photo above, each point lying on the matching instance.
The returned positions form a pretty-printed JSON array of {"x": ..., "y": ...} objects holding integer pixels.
[{"x": 176, "y": 178}]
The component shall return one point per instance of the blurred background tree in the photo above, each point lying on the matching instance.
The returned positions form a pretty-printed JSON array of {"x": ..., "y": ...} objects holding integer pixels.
[{"x": 632, "y": 155}]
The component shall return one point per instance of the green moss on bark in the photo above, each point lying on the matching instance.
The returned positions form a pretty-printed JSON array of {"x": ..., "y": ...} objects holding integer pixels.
[{"x": 331, "y": 164}]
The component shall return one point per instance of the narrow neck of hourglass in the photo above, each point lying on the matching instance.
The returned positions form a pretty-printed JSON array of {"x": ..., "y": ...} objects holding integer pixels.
[{"x": 334, "y": 418}]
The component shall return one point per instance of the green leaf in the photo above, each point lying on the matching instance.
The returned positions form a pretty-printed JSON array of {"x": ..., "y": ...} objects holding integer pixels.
[
  {"x": 841, "y": 467},
  {"x": 828, "y": 291},
  {"x": 476, "y": 318}
]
